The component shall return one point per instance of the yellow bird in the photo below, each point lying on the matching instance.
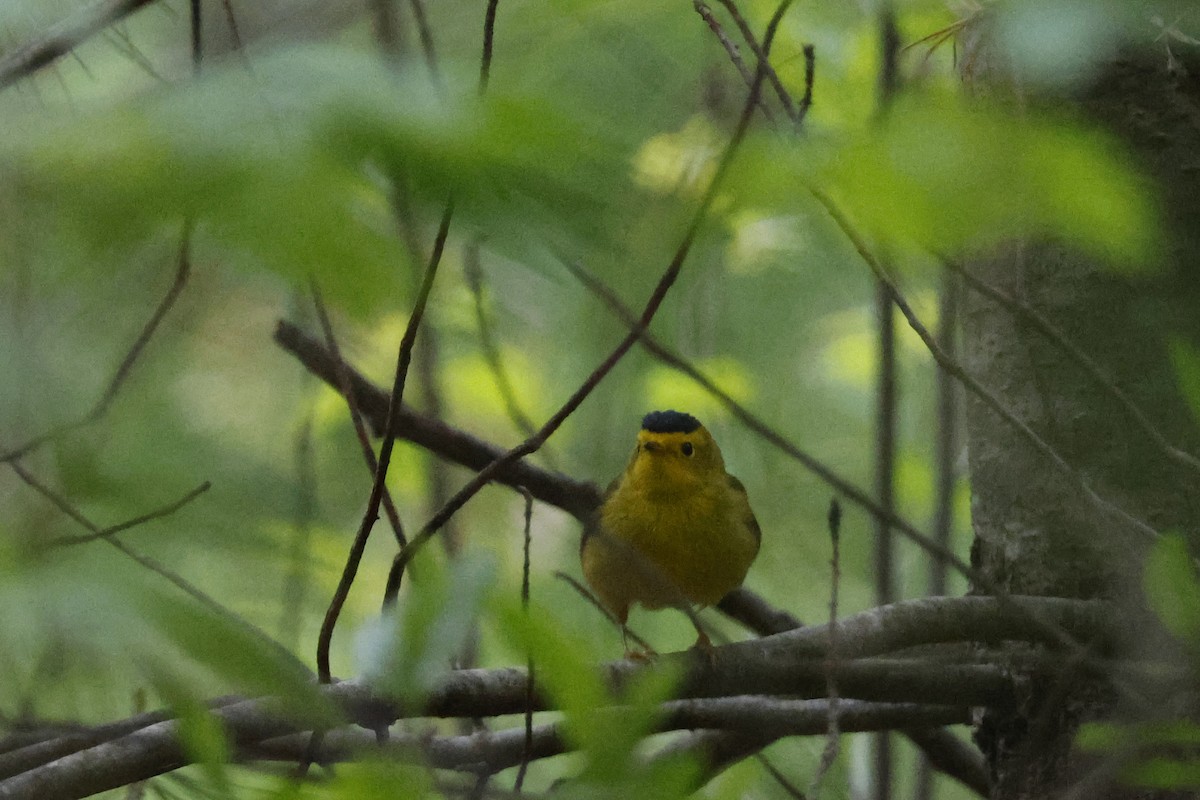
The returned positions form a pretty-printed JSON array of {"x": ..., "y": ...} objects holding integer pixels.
[{"x": 675, "y": 528}]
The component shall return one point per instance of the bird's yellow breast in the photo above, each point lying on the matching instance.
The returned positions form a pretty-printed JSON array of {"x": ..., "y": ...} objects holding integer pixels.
[{"x": 660, "y": 539}]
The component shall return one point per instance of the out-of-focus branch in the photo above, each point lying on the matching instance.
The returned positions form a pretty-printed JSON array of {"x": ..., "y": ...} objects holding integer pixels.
[
  {"x": 916, "y": 692},
  {"x": 63, "y": 38},
  {"x": 578, "y": 498}
]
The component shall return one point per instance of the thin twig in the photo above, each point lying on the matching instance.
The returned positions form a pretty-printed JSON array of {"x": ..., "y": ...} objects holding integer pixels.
[
  {"x": 885, "y": 471},
  {"x": 665, "y": 282},
  {"x": 356, "y": 417},
  {"x": 760, "y": 52},
  {"x": 235, "y": 34},
  {"x": 832, "y": 735},
  {"x": 489, "y": 37},
  {"x": 842, "y": 485},
  {"x": 886, "y": 403},
  {"x": 182, "y": 273},
  {"x": 788, "y": 787},
  {"x": 428, "y": 48},
  {"x": 810, "y": 73},
  {"x": 886, "y": 408},
  {"x": 386, "y": 27},
  {"x": 974, "y": 386},
  {"x": 595, "y": 601},
  {"x": 487, "y": 342},
  {"x": 197, "y": 36},
  {"x": 403, "y": 360},
  {"x": 731, "y": 49},
  {"x": 943, "y": 521},
  {"x": 167, "y": 510},
  {"x": 63, "y": 38},
  {"x": 155, "y": 566},
  {"x": 1089, "y": 365},
  {"x": 527, "y": 752}
]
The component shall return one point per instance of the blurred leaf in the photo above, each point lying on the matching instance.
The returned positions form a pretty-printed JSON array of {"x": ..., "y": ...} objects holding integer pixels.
[
  {"x": 1163, "y": 773},
  {"x": 665, "y": 390},
  {"x": 1098, "y": 736},
  {"x": 408, "y": 651},
  {"x": 1186, "y": 359},
  {"x": 606, "y": 729},
  {"x": 1062, "y": 42},
  {"x": 944, "y": 176},
  {"x": 1172, "y": 588},
  {"x": 373, "y": 779},
  {"x": 284, "y": 164},
  {"x": 238, "y": 655},
  {"x": 203, "y": 739},
  {"x": 1108, "y": 736}
]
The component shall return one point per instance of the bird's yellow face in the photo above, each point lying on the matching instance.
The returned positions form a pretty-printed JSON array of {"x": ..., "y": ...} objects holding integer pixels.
[{"x": 674, "y": 461}]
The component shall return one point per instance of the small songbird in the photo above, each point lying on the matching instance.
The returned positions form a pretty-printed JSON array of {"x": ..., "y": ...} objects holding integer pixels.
[{"x": 675, "y": 528}]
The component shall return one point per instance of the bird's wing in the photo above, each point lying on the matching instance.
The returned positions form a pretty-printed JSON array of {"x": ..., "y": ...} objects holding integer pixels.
[
  {"x": 592, "y": 525},
  {"x": 748, "y": 513}
]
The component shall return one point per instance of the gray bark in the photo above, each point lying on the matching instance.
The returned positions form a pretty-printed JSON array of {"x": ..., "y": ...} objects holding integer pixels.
[{"x": 1035, "y": 532}]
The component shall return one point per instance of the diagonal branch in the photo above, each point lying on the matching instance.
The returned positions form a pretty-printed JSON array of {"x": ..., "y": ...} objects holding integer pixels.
[
  {"x": 1060, "y": 340},
  {"x": 182, "y": 273},
  {"x": 578, "y": 498},
  {"x": 665, "y": 282},
  {"x": 63, "y": 38},
  {"x": 969, "y": 382}
]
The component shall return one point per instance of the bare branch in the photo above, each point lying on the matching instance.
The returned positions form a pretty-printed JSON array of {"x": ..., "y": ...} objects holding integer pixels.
[
  {"x": 64, "y": 38},
  {"x": 403, "y": 359},
  {"x": 167, "y": 510},
  {"x": 578, "y": 498},
  {"x": 665, "y": 282},
  {"x": 182, "y": 272},
  {"x": 791, "y": 664},
  {"x": 971, "y": 384},
  {"x": 1060, "y": 340}
]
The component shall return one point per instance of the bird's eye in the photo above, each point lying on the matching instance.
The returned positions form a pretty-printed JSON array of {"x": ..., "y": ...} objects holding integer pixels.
[{"x": 687, "y": 448}]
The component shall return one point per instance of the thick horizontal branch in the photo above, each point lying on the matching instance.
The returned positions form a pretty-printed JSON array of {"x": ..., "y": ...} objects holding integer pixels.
[
  {"x": 578, "y": 498},
  {"x": 497, "y": 750},
  {"x": 787, "y": 664}
]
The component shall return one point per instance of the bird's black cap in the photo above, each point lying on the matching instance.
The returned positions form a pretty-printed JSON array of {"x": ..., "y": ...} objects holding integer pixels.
[{"x": 669, "y": 422}]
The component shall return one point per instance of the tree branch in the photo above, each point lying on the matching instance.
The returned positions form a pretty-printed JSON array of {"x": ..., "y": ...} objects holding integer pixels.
[
  {"x": 578, "y": 498},
  {"x": 790, "y": 664},
  {"x": 63, "y": 38}
]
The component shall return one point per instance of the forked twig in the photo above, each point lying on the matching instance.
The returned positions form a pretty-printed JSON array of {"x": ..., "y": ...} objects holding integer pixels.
[{"x": 104, "y": 402}]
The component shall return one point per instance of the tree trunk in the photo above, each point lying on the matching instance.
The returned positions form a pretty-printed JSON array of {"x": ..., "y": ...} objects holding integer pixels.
[{"x": 1035, "y": 531}]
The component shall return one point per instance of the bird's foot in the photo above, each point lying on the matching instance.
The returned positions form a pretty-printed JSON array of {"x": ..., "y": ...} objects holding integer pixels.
[{"x": 704, "y": 647}]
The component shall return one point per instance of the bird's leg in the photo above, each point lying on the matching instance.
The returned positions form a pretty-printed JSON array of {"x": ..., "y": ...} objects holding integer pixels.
[
  {"x": 703, "y": 644},
  {"x": 632, "y": 653}
]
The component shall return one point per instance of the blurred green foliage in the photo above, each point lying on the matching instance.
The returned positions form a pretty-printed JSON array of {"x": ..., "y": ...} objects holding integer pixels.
[{"x": 599, "y": 127}]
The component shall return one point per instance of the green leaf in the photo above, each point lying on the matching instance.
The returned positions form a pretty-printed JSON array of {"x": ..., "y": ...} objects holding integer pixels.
[
  {"x": 406, "y": 653},
  {"x": 607, "y": 729},
  {"x": 237, "y": 654},
  {"x": 201, "y": 734},
  {"x": 290, "y": 167},
  {"x": 1163, "y": 773},
  {"x": 943, "y": 176},
  {"x": 1100, "y": 736},
  {"x": 1172, "y": 588}
]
